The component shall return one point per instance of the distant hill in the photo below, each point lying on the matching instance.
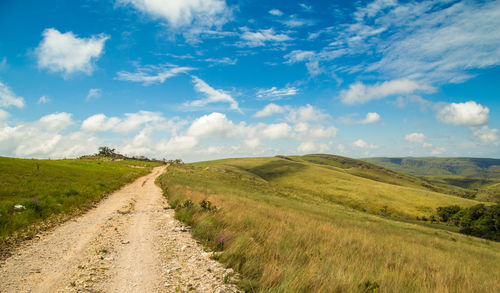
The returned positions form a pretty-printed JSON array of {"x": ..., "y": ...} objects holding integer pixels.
[{"x": 466, "y": 167}]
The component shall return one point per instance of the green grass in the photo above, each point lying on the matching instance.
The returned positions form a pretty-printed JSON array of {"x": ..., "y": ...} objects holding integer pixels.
[
  {"x": 298, "y": 226},
  {"x": 52, "y": 187}
]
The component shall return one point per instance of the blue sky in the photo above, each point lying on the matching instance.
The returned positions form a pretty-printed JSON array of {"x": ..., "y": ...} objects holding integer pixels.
[{"x": 208, "y": 79}]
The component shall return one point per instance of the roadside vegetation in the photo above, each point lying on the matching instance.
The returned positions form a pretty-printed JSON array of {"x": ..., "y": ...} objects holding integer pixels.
[
  {"x": 288, "y": 224},
  {"x": 32, "y": 191}
]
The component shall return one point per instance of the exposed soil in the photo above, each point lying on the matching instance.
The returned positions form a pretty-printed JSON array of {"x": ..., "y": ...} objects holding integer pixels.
[{"x": 129, "y": 243}]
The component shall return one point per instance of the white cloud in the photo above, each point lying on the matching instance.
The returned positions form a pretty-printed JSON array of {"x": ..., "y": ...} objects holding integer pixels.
[
  {"x": 261, "y": 37},
  {"x": 276, "y": 94},
  {"x": 305, "y": 6},
  {"x": 305, "y": 131},
  {"x": 152, "y": 74},
  {"x": 427, "y": 145},
  {"x": 310, "y": 147},
  {"x": 438, "y": 40},
  {"x": 8, "y": 98},
  {"x": 185, "y": 13},
  {"x": 438, "y": 151},
  {"x": 270, "y": 110},
  {"x": 359, "y": 93},
  {"x": 371, "y": 117},
  {"x": 306, "y": 147},
  {"x": 299, "y": 56},
  {"x": 178, "y": 145},
  {"x": 214, "y": 124},
  {"x": 93, "y": 94},
  {"x": 295, "y": 22},
  {"x": 360, "y": 143},
  {"x": 305, "y": 113},
  {"x": 3, "y": 115},
  {"x": 275, "y": 12},
  {"x": 223, "y": 61},
  {"x": 313, "y": 59},
  {"x": 485, "y": 135},
  {"x": 468, "y": 113},
  {"x": 66, "y": 53},
  {"x": 99, "y": 122},
  {"x": 43, "y": 138},
  {"x": 56, "y": 121},
  {"x": 277, "y": 131},
  {"x": 212, "y": 95},
  {"x": 253, "y": 143},
  {"x": 415, "y": 137},
  {"x": 43, "y": 100},
  {"x": 402, "y": 102},
  {"x": 132, "y": 121}
]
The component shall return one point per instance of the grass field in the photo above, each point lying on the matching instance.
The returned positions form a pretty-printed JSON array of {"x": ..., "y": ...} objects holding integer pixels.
[
  {"x": 50, "y": 187},
  {"x": 300, "y": 226}
]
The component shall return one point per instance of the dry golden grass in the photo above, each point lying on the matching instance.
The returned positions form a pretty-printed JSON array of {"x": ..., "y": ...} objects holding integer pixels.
[{"x": 285, "y": 235}]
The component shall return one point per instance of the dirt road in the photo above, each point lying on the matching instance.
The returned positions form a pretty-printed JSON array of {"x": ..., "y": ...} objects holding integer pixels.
[{"x": 129, "y": 243}]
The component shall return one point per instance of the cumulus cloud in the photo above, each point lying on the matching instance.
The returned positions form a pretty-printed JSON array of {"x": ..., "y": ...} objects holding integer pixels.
[
  {"x": 56, "y": 121},
  {"x": 305, "y": 113},
  {"x": 132, "y": 121},
  {"x": 149, "y": 75},
  {"x": 178, "y": 144},
  {"x": 360, "y": 143},
  {"x": 359, "y": 93},
  {"x": 276, "y": 94},
  {"x": 269, "y": 110},
  {"x": 185, "y": 13},
  {"x": 310, "y": 147},
  {"x": 261, "y": 37},
  {"x": 3, "y": 115},
  {"x": 275, "y": 12},
  {"x": 415, "y": 137},
  {"x": 305, "y": 131},
  {"x": 438, "y": 151},
  {"x": 212, "y": 95},
  {"x": 469, "y": 113},
  {"x": 8, "y": 98},
  {"x": 93, "y": 94},
  {"x": 371, "y": 117},
  {"x": 66, "y": 53},
  {"x": 44, "y": 138},
  {"x": 485, "y": 135},
  {"x": 276, "y": 131},
  {"x": 214, "y": 124},
  {"x": 99, "y": 122},
  {"x": 43, "y": 100}
]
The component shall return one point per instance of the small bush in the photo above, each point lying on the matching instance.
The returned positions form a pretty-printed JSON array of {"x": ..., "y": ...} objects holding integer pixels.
[
  {"x": 207, "y": 205},
  {"x": 369, "y": 287}
]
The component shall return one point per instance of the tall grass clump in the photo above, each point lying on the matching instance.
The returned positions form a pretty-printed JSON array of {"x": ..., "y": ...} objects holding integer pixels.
[{"x": 286, "y": 239}]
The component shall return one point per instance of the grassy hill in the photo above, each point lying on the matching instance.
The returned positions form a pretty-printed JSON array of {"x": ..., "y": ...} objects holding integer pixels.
[
  {"x": 46, "y": 188},
  {"x": 465, "y": 167},
  {"x": 467, "y": 177},
  {"x": 322, "y": 223}
]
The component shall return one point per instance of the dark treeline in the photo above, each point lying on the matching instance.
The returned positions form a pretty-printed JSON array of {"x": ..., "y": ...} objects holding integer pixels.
[{"x": 479, "y": 220}]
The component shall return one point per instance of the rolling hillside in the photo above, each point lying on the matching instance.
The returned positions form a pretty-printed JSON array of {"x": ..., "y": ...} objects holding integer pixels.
[
  {"x": 466, "y": 167},
  {"x": 467, "y": 177},
  {"x": 328, "y": 224}
]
